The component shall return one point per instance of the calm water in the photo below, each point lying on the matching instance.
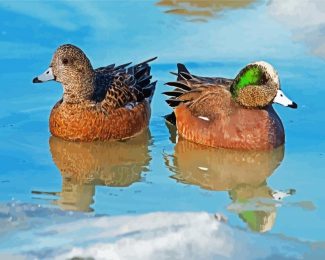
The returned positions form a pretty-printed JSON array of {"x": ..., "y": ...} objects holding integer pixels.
[{"x": 278, "y": 193}]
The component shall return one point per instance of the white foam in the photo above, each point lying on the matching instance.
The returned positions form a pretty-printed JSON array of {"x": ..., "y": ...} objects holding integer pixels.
[{"x": 160, "y": 235}]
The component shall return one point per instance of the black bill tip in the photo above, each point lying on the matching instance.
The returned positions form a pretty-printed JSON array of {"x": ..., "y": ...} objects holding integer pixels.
[
  {"x": 36, "y": 80},
  {"x": 293, "y": 105}
]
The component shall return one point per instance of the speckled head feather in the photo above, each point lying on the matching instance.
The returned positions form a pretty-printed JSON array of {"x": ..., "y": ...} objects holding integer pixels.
[
  {"x": 73, "y": 69},
  {"x": 256, "y": 85}
]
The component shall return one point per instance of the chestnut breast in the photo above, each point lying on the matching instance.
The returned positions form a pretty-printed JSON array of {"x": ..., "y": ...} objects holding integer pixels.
[
  {"x": 80, "y": 122},
  {"x": 239, "y": 128}
]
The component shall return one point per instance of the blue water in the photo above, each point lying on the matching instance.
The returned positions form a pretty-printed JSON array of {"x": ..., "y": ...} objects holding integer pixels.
[{"x": 152, "y": 173}]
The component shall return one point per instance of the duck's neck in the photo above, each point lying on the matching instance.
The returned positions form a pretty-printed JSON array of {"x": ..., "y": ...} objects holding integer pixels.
[{"x": 79, "y": 88}]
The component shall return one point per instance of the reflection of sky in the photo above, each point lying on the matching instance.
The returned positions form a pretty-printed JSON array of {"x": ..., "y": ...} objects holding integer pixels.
[
  {"x": 152, "y": 236},
  {"x": 120, "y": 31},
  {"x": 306, "y": 20}
]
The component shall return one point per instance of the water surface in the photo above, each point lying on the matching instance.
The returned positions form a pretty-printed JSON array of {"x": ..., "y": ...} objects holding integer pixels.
[{"x": 277, "y": 193}]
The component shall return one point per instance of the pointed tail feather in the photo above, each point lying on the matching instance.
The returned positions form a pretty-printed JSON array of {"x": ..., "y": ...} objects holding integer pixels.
[
  {"x": 182, "y": 69},
  {"x": 141, "y": 73},
  {"x": 171, "y": 118},
  {"x": 149, "y": 91}
]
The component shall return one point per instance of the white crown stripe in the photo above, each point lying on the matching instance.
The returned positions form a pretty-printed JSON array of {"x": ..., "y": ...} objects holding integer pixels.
[{"x": 269, "y": 69}]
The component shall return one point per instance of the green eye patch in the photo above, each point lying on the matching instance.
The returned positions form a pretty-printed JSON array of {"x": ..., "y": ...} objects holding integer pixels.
[{"x": 250, "y": 76}]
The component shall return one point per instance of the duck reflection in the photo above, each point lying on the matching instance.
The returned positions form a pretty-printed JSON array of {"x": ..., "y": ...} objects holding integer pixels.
[
  {"x": 242, "y": 173},
  {"x": 201, "y": 9},
  {"x": 86, "y": 165}
]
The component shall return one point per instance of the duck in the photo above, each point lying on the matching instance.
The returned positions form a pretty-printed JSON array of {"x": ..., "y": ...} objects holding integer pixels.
[
  {"x": 229, "y": 113},
  {"x": 107, "y": 103}
]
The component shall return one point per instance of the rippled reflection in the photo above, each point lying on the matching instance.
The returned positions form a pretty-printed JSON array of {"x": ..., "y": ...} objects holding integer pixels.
[
  {"x": 242, "y": 173},
  {"x": 86, "y": 165},
  {"x": 201, "y": 9}
]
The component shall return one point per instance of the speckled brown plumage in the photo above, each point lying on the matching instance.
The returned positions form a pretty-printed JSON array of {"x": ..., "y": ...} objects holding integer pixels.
[
  {"x": 205, "y": 112},
  {"x": 255, "y": 96},
  {"x": 108, "y": 103}
]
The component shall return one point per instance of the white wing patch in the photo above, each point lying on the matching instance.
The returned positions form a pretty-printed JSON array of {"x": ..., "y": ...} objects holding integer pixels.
[
  {"x": 204, "y": 118},
  {"x": 203, "y": 168}
]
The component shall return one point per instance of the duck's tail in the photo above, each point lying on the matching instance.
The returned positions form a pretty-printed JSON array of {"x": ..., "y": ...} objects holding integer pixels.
[
  {"x": 142, "y": 76},
  {"x": 181, "y": 87},
  {"x": 181, "y": 69}
]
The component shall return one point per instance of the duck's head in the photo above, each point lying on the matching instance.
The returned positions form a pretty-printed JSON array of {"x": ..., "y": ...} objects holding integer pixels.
[
  {"x": 258, "y": 85},
  {"x": 69, "y": 63}
]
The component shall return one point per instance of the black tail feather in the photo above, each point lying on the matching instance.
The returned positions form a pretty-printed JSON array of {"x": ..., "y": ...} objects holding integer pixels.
[
  {"x": 141, "y": 73},
  {"x": 173, "y": 93},
  {"x": 149, "y": 90},
  {"x": 172, "y": 102},
  {"x": 171, "y": 118},
  {"x": 147, "y": 61},
  {"x": 144, "y": 81},
  {"x": 123, "y": 66},
  {"x": 178, "y": 84},
  {"x": 181, "y": 68},
  {"x": 182, "y": 71},
  {"x": 181, "y": 86}
]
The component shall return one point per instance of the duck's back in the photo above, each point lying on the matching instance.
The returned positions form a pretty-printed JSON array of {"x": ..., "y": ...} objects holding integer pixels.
[{"x": 135, "y": 79}]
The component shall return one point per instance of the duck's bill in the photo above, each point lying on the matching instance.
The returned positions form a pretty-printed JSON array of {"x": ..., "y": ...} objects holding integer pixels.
[
  {"x": 281, "y": 99},
  {"x": 46, "y": 76}
]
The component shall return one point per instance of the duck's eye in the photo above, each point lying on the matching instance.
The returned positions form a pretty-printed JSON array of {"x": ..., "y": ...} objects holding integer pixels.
[
  {"x": 263, "y": 79},
  {"x": 65, "y": 61}
]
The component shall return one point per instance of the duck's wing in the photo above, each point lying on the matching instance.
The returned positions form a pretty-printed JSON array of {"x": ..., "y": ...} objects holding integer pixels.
[
  {"x": 125, "y": 85},
  {"x": 191, "y": 89},
  {"x": 103, "y": 79},
  {"x": 183, "y": 75}
]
